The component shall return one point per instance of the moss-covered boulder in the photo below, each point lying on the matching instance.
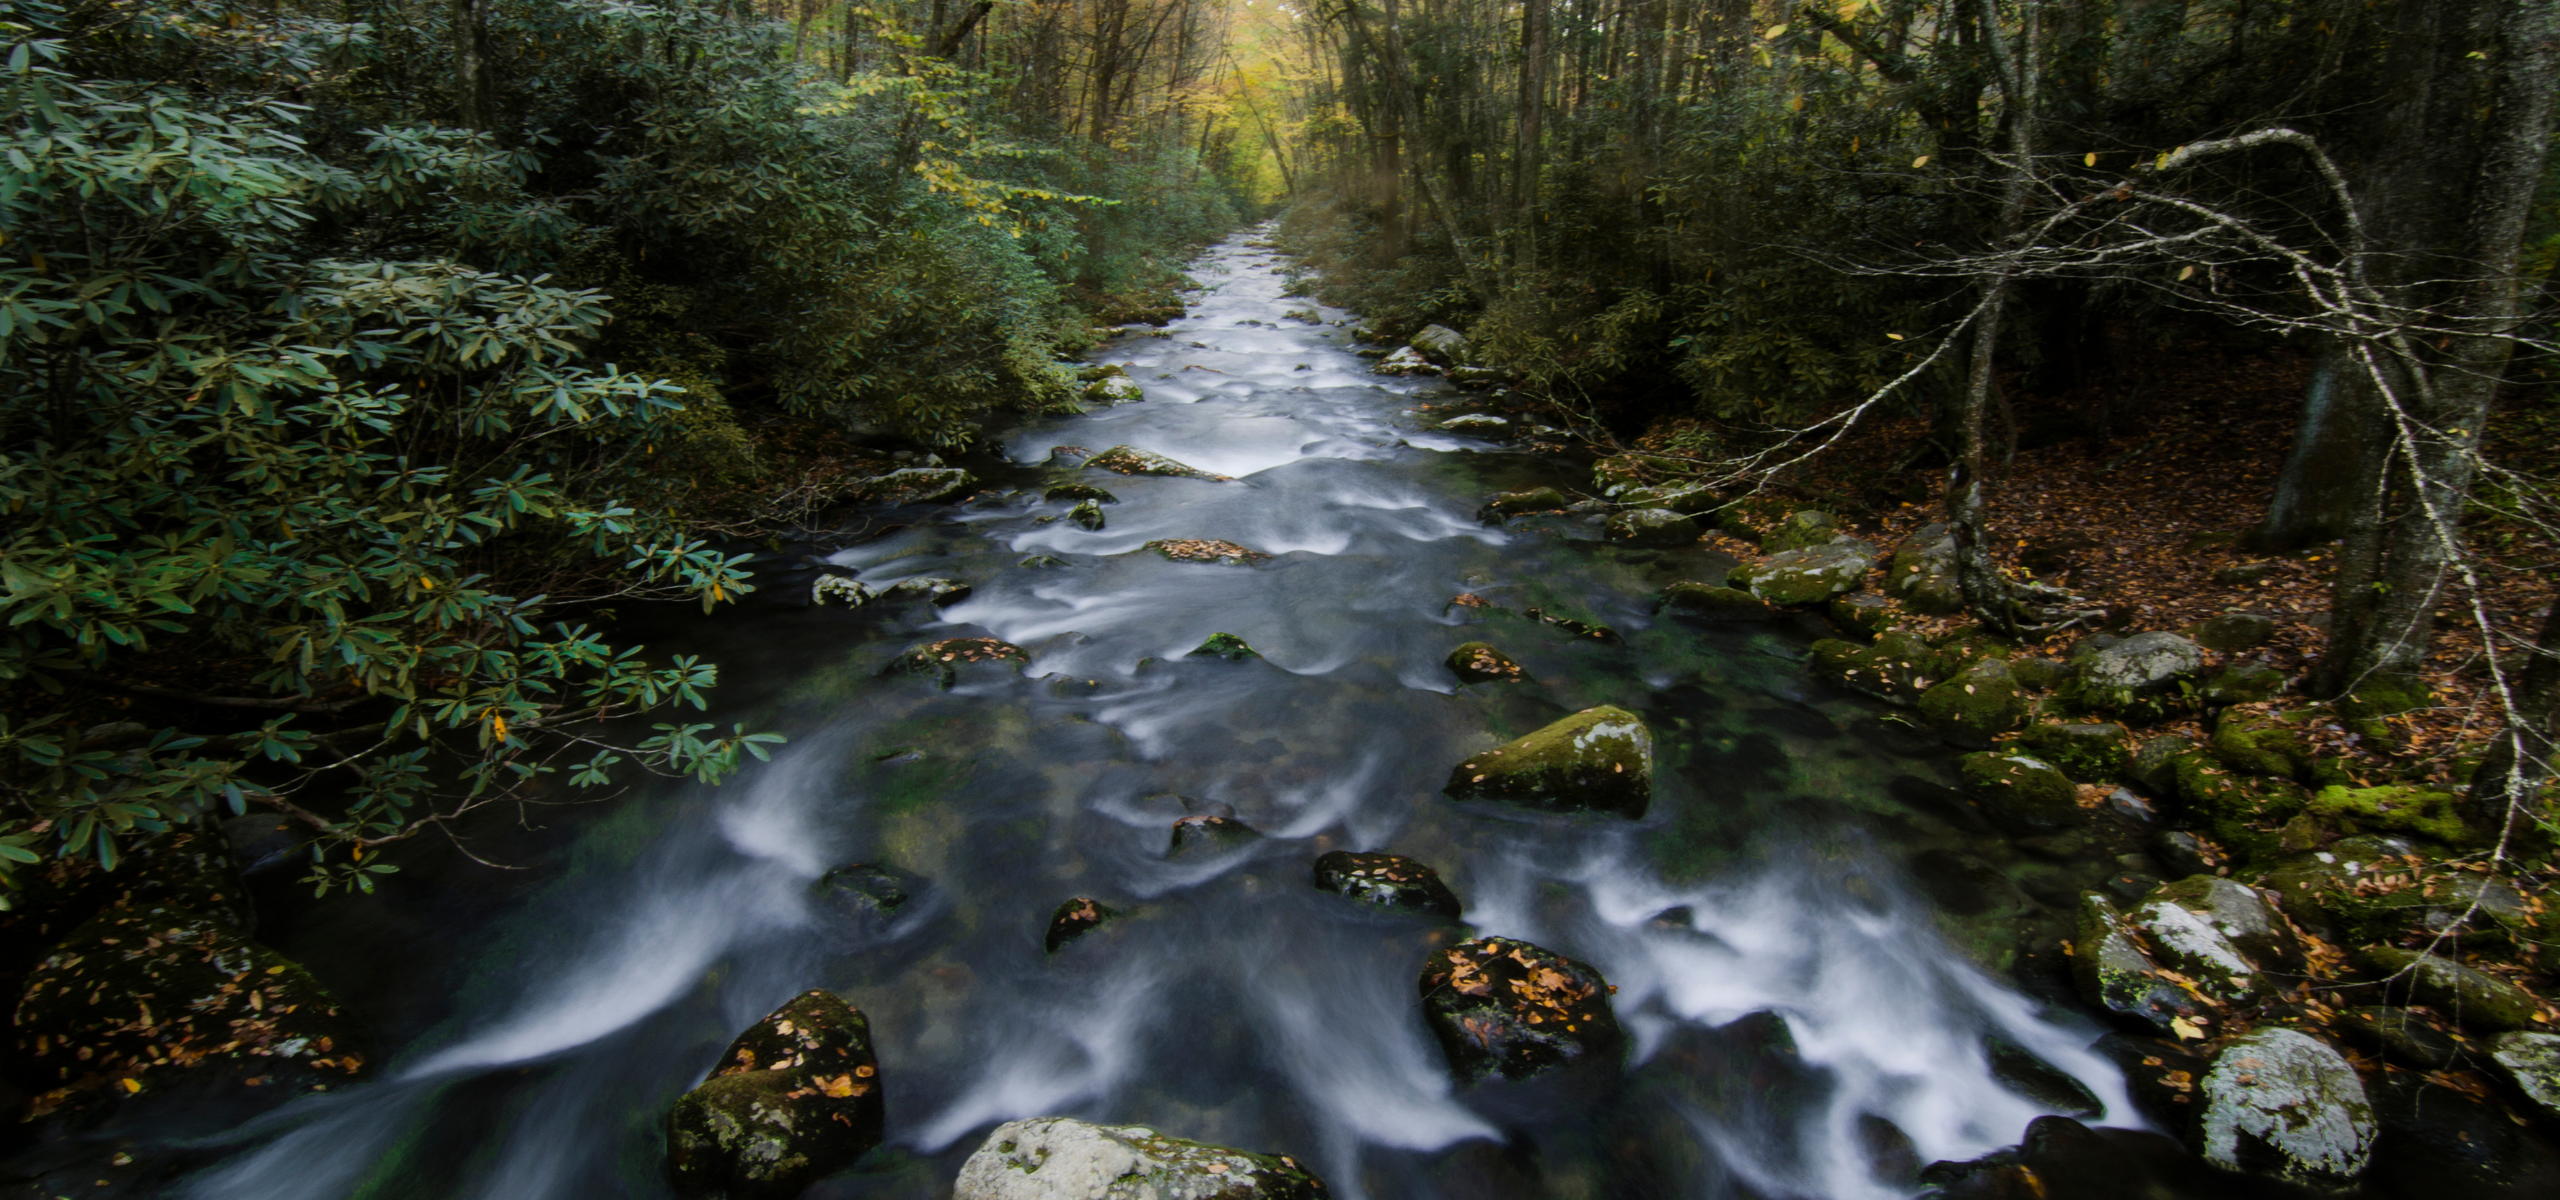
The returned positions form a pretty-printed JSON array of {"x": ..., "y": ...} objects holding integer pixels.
[
  {"x": 1088, "y": 516},
  {"x": 2261, "y": 746},
  {"x": 2244, "y": 916},
  {"x": 793, "y": 1100},
  {"x": 1388, "y": 881},
  {"x": 1129, "y": 460},
  {"x": 1060, "y": 1158},
  {"x": 1597, "y": 760},
  {"x": 2088, "y": 752},
  {"x": 147, "y": 995},
  {"x": 943, "y": 660},
  {"x": 2242, "y": 683},
  {"x": 1514, "y": 504},
  {"x": 1506, "y": 1007},
  {"x": 1690, "y": 498},
  {"x": 1619, "y": 474},
  {"x": 2189, "y": 943},
  {"x": 2400, "y": 808},
  {"x": 911, "y": 485},
  {"x": 2154, "y": 765},
  {"x": 2233, "y": 631},
  {"x": 1977, "y": 704},
  {"x": 1209, "y": 834},
  {"x": 841, "y": 591},
  {"x": 2242, "y": 812},
  {"x": 1080, "y": 491},
  {"x": 1479, "y": 662},
  {"x": 1807, "y": 576},
  {"x": 1897, "y": 668},
  {"x": 1800, "y": 530},
  {"x": 1706, "y": 602},
  {"x": 1922, "y": 572},
  {"x": 1075, "y": 918},
  {"x": 1865, "y": 612},
  {"x": 2144, "y": 677},
  {"x": 2020, "y": 790},
  {"x": 1652, "y": 527},
  {"x": 1116, "y": 389},
  {"x": 939, "y": 591},
  {"x": 2283, "y": 1103},
  {"x": 2530, "y": 1061},
  {"x": 2476, "y": 999},
  {"x": 1224, "y": 645},
  {"x": 2116, "y": 974}
]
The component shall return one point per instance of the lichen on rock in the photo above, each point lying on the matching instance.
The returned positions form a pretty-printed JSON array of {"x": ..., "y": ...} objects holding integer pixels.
[
  {"x": 794, "y": 1099},
  {"x": 1652, "y": 527},
  {"x": 1600, "y": 759},
  {"x": 1129, "y": 460},
  {"x": 2280, "y": 1102},
  {"x": 1060, "y": 1158},
  {"x": 1809, "y": 575}
]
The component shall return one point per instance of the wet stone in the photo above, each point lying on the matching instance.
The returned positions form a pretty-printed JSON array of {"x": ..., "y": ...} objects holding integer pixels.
[
  {"x": 1087, "y": 515},
  {"x": 794, "y": 1099},
  {"x": 1075, "y": 918},
  {"x": 838, "y": 591},
  {"x": 1597, "y": 760},
  {"x": 2090, "y": 752},
  {"x": 2186, "y": 931},
  {"x": 1506, "y": 1007},
  {"x": 1388, "y": 881},
  {"x": 2476, "y": 999},
  {"x": 1479, "y": 662},
  {"x": 1807, "y": 576},
  {"x": 943, "y": 593},
  {"x": 1042, "y": 562},
  {"x": 1977, "y": 704},
  {"x": 1513, "y": 504},
  {"x": 911, "y": 485},
  {"x": 2530, "y": 1061},
  {"x": 1707, "y": 602},
  {"x": 2282, "y": 1103},
  {"x": 1080, "y": 491},
  {"x": 2021, "y": 790},
  {"x": 1129, "y": 460},
  {"x": 1800, "y": 530},
  {"x": 2402, "y": 1035},
  {"x": 1207, "y": 834},
  {"x": 2116, "y": 974},
  {"x": 1652, "y": 527},
  {"x": 1224, "y": 645},
  {"x": 1060, "y": 1158},
  {"x": 942, "y": 660},
  {"x": 2019, "y": 1070},
  {"x": 1206, "y": 550},
  {"x": 860, "y": 891}
]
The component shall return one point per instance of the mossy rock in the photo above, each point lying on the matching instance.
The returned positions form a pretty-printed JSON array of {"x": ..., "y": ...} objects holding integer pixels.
[
  {"x": 2088, "y": 752},
  {"x": 2531, "y": 1061},
  {"x": 1862, "y": 611},
  {"x": 1479, "y": 662},
  {"x": 2038, "y": 674},
  {"x": 2143, "y": 678},
  {"x": 1513, "y": 504},
  {"x": 1619, "y": 474},
  {"x": 943, "y": 660},
  {"x": 794, "y": 1099},
  {"x": 1080, "y": 491},
  {"x": 2268, "y": 748},
  {"x": 1506, "y": 1007},
  {"x": 1060, "y": 1158},
  {"x": 1388, "y": 881},
  {"x": 1807, "y": 576},
  {"x": 2402, "y": 808},
  {"x": 1706, "y": 602},
  {"x": 1652, "y": 527},
  {"x": 1205, "y": 550},
  {"x": 1897, "y": 668},
  {"x": 2382, "y": 696},
  {"x": 2024, "y": 790},
  {"x": 1129, "y": 460},
  {"x": 1749, "y": 518},
  {"x": 1208, "y": 834},
  {"x": 1224, "y": 645},
  {"x": 1922, "y": 572},
  {"x": 1800, "y": 530},
  {"x": 1690, "y": 498},
  {"x": 1597, "y": 760},
  {"x": 145, "y": 995},
  {"x": 911, "y": 485},
  {"x": 1075, "y": 918},
  {"x": 2187, "y": 934},
  {"x": 2247, "y": 683},
  {"x": 2280, "y": 1102},
  {"x": 1088, "y": 516},
  {"x": 860, "y": 891},
  {"x": 2233, "y": 631},
  {"x": 2476, "y": 999},
  {"x": 1978, "y": 704},
  {"x": 2117, "y": 975}
]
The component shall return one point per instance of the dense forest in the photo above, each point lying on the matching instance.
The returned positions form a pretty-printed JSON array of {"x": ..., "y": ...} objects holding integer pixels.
[{"x": 2151, "y": 401}]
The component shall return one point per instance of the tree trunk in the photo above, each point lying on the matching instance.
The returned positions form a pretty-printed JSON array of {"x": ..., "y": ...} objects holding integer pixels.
[
  {"x": 2520, "y": 761},
  {"x": 2338, "y": 445},
  {"x": 470, "y": 66}
]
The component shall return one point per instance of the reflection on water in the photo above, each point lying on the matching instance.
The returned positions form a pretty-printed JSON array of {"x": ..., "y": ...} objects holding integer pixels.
[{"x": 1792, "y": 1005}]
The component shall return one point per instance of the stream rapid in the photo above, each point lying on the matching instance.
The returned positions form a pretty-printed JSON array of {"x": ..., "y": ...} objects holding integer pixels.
[{"x": 1798, "y": 1022}]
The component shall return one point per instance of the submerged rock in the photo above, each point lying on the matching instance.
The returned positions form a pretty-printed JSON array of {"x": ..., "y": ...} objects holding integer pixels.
[
  {"x": 1598, "y": 760},
  {"x": 1807, "y": 576},
  {"x": 793, "y": 1100},
  {"x": 2019, "y": 1070},
  {"x": 1208, "y": 834},
  {"x": 860, "y": 891},
  {"x": 1206, "y": 550},
  {"x": 1075, "y": 918},
  {"x": 942, "y": 660},
  {"x": 1506, "y": 1007},
  {"x": 1652, "y": 527},
  {"x": 1042, "y": 562},
  {"x": 1060, "y": 1158},
  {"x": 1707, "y": 602},
  {"x": 1512, "y": 504},
  {"x": 1224, "y": 645},
  {"x": 1479, "y": 662},
  {"x": 1087, "y": 515},
  {"x": 911, "y": 485},
  {"x": 837, "y": 591},
  {"x": 2282, "y": 1103},
  {"x": 942, "y": 592},
  {"x": 1129, "y": 460},
  {"x": 1388, "y": 881},
  {"x": 1080, "y": 491}
]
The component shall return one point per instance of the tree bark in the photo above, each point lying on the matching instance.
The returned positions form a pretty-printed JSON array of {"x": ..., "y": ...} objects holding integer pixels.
[
  {"x": 470, "y": 66},
  {"x": 2503, "y": 787}
]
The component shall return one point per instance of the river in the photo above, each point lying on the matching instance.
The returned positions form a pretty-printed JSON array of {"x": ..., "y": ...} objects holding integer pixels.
[{"x": 1799, "y": 1023}]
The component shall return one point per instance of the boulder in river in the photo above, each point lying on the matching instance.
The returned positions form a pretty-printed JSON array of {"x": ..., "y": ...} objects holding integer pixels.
[
  {"x": 2117, "y": 974},
  {"x": 1512, "y": 504},
  {"x": 1224, "y": 645},
  {"x": 911, "y": 485},
  {"x": 1080, "y": 491},
  {"x": 1204, "y": 833},
  {"x": 2280, "y": 1102},
  {"x": 1444, "y": 346},
  {"x": 1479, "y": 662},
  {"x": 1087, "y": 515},
  {"x": 1597, "y": 760},
  {"x": 1807, "y": 576},
  {"x": 941, "y": 591},
  {"x": 1129, "y": 460},
  {"x": 1388, "y": 881},
  {"x": 1060, "y": 1158},
  {"x": 860, "y": 891},
  {"x": 1075, "y": 918},
  {"x": 1802, "y": 529},
  {"x": 1652, "y": 527},
  {"x": 1480, "y": 424},
  {"x": 839, "y": 591},
  {"x": 1707, "y": 602},
  {"x": 942, "y": 660},
  {"x": 1405, "y": 361},
  {"x": 794, "y": 1099},
  {"x": 1206, "y": 550},
  {"x": 1113, "y": 389},
  {"x": 1506, "y": 1007}
]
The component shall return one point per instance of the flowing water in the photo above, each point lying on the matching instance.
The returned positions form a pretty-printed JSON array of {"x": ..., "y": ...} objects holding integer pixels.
[{"x": 1758, "y": 904}]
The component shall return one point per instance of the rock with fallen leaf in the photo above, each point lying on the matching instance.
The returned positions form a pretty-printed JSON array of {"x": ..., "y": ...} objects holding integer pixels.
[{"x": 794, "y": 1099}]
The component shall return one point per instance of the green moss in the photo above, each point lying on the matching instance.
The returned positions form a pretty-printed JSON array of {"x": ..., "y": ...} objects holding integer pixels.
[
  {"x": 2406, "y": 808},
  {"x": 1709, "y": 603},
  {"x": 2241, "y": 812},
  {"x": 2382, "y": 696},
  {"x": 2027, "y": 790},
  {"x": 1225, "y": 645},
  {"x": 2087, "y": 752},
  {"x": 1600, "y": 759},
  {"x": 1981, "y": 702},
  {"x": 2254, "y": 746},
  {"x": 1800, "y": 529},
  {"x": 1898, "y": 667},
  {"x": 1480, "y": 662}
]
